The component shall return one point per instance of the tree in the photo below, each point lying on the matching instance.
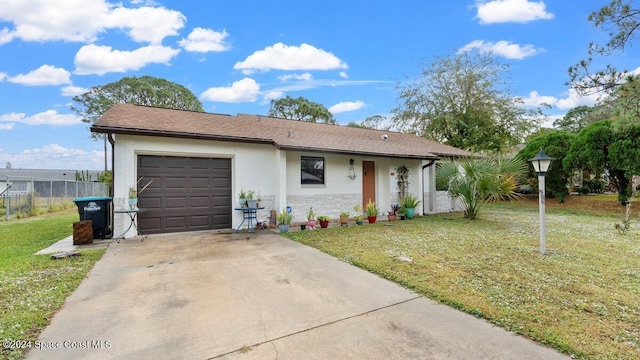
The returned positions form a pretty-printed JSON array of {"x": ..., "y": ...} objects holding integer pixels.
[
  {"x": 8, "y": 165},
  {"x": 145, "y": 90},
  {"x": 300, "y": 109},
  {"x": 555, "y": 144},
  {"x": 575, "y": 119},
  {"x": 478, "y": 181},
  {"x": 621, "y": 21},
  {"x": 600, "y": 148},
  {"x": 463, "y": 102}
]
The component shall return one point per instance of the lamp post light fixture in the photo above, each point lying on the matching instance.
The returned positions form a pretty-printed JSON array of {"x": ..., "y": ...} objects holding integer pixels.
[{"x": 541, "y": 164}]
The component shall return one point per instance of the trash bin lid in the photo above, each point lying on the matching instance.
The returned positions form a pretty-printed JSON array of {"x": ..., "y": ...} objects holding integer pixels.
[{"x": 92, "y": 198}]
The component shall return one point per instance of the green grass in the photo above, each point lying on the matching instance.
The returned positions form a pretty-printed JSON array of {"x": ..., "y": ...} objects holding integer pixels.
[
  {"x": 34, "y": 287},
  {"x": 582, "y": 299}
]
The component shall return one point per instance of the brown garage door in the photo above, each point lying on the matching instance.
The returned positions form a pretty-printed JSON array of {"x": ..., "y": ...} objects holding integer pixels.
[{"x": 187, "y": 194}]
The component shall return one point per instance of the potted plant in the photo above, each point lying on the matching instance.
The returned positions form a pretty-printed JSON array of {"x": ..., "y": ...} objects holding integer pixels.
[
  {"x": 133, "y": 192},
  {"x": 251, "y": 201},
  {"x": 324, "y": 221},
  {"x": 133, "y": 196},
  {"x": 409, "y": 203},
  {"x": 242, "y": 198},
  {"x": 344, "y": 218},
  {"x": 284, "y": 220},
  {"x": 311, "y": 219},
  {"x": 372, "y": 211},
  {"x": 259, "y": 201},
  {"x": 358, "y": 217},
  {"x": 394, "y": 210},
  {"x": 402, "y": 212}
]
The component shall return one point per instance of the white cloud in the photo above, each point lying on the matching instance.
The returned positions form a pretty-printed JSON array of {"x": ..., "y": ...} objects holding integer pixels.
[
  {"x": 83, "y": 20},
  {"x": 283, "y": 57},
  {"x": 49, "y": 117},
  {"x": 99, "y": 60},
  {"x": 205, "y": 40},
  {"x": 5, "y": 36},
  {"x": 502, "y": 11},
  {"x": 3, "y": 76},
  {"x": 44, "y": 75},
  {"x": 502, "y": 48},
  {"x": 573, "y": 99},
  {"x": 344, "y": 75},
  {"x": 303, "y": 77},
  {"x": 245, "y": 90},
  {"x": 346, "y": 106},
  {"x": 54, "y": 156},
  {"x": 146, "y": 24},
  {"x": 536, "y": 99},
  {"x": 73, "y": 90},
  {"x": 8, "y": 126}
]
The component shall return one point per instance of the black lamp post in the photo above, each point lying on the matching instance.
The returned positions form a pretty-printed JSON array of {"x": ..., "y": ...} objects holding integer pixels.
[{"x": 541, "y": 164}]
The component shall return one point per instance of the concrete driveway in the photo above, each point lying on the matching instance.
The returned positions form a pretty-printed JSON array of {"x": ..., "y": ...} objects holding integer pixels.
[{"x": 241, "y": 296}]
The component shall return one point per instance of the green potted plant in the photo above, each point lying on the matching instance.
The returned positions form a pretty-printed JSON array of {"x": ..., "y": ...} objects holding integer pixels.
[
  {"x": 284, "y": 220},
  {"x": 134, "y": 192},
  {"x": 372, "y": 211},
  {"x": 344, "y": 218},
  {"x": 324, "y": 221},
  {"x": 402, "y": 212},
  {"x": 393, "y": 213},
  {"x": 242, "y": 198},
  {"x": 133, "y": 196},
  {"x": 311, "y": 219},
  {"x": 358, "y": 217},
  {"x": 409, "y": 203},
  {"x": 251, "y": 200}
]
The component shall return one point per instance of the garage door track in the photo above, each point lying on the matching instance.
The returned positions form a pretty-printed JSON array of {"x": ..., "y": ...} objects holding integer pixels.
[{"x": 243, "y": 296}]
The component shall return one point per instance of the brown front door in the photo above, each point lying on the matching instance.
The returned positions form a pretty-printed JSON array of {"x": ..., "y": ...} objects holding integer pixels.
[{"x": 368, "y": 182}]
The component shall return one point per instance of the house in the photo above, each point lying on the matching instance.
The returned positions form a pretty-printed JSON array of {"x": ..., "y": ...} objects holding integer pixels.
[{"x": 197, "y": 162}]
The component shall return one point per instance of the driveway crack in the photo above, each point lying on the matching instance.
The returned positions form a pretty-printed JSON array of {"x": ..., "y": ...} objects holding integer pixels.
[{"x": 316, "y": 327}]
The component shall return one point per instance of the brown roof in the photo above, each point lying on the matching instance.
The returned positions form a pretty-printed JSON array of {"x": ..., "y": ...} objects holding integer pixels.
[{"x": 281, "y": 133}]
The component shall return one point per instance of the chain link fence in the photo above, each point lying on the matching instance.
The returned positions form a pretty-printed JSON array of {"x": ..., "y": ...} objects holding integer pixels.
[{"x": 24, "y": 197}]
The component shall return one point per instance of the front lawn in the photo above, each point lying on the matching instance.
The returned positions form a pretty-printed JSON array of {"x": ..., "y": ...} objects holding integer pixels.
[
  {"x": 33, "y": 287},
  {"x": 582, "y": 299}
]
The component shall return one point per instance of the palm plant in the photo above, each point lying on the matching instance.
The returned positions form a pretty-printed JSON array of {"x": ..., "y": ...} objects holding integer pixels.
[{"x": 477, "y": 181}]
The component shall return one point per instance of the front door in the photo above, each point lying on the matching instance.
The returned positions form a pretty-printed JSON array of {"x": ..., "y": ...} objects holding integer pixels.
[{"x": 368, "y": 182}]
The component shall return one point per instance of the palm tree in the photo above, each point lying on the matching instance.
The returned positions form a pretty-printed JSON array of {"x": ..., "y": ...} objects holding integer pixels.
[{"x": 477, "y": 181}]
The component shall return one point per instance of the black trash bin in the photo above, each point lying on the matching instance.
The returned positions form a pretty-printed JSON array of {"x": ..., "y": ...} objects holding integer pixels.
[{"x": 98, "y": 210}]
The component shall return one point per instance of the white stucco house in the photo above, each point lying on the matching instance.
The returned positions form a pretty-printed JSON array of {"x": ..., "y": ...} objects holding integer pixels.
[{"x": 198, "y": 162}]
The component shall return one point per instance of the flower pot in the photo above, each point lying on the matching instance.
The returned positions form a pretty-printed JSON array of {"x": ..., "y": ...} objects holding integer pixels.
[
  {"x": 391, "y": 217},
  {"x": 324, "y": 223},
  {"x": 311, "y": 224},
  {"x": 344, "y": 219},
  {"x": 359, "y": 222},
  {"x": 284, "y": 228},
  {"x": 372, "y": 219},
  {"x": 133, "y": 202},
  {"x": 303, "y": 226},
  {"x": 242, "y": 202},
  {"x": 410, "y": 213},
  {"x": 252, "y": 203}
]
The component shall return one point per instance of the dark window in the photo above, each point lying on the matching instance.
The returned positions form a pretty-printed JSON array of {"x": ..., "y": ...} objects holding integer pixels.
[{"x": 312, "y": 170}]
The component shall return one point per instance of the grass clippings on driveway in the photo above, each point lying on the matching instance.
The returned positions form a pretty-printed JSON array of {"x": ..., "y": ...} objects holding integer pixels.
[
  {"x": 33, "y": 287},
  {"x": 582, "y": 299}
]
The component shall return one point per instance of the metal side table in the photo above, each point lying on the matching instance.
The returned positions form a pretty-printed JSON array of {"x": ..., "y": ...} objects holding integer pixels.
[{"x": 133, "y": 214}]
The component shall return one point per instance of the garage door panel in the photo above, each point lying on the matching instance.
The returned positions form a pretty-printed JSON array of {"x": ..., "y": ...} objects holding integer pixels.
[
  {"x": 186, "y": 194},
  {"x": 175, "y": 202}
]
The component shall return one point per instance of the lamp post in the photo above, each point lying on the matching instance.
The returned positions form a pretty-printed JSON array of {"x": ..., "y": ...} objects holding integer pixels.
[{"x": 541, "y": 164}]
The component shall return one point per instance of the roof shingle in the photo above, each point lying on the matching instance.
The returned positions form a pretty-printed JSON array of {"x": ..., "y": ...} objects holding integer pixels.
[{"x": 281, "y": 133}]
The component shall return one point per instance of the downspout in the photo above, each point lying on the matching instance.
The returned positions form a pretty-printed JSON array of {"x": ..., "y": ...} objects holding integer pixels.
[
  {"x": 112, "y": 141},
  {"x": 422, "y": 185}
]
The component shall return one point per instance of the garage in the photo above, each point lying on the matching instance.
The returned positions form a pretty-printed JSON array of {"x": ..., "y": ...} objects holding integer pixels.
[{"x": 185, "y": 194}]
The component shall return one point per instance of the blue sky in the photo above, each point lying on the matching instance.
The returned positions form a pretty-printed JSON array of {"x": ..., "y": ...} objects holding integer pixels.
[{"x": 236, "y": 56}]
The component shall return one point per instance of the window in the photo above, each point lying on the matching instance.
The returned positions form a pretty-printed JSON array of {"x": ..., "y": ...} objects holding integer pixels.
[{"x": 312, "y": 170}]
